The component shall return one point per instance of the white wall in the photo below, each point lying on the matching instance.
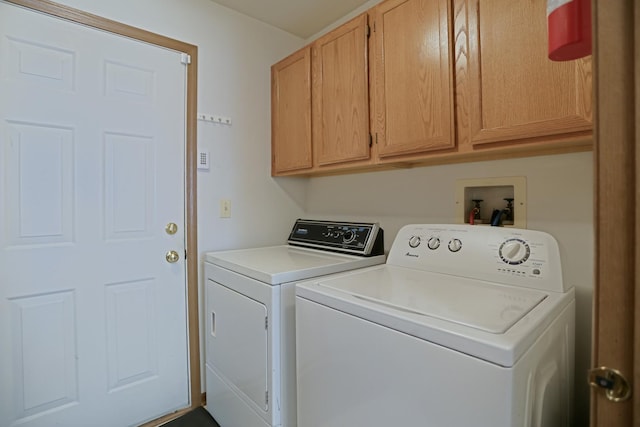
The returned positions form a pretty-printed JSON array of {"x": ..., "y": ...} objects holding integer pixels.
[{"x": 559, "y": 199}]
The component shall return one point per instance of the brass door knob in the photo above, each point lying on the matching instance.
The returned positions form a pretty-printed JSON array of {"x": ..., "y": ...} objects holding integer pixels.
[
  {"x": 172, "y": 256},
  {"x": 614, "y": 384},
  {"x": 171, "y": 228}
]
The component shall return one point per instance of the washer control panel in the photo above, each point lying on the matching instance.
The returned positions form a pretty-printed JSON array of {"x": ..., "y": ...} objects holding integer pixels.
[{"x": 506, "y": 255}]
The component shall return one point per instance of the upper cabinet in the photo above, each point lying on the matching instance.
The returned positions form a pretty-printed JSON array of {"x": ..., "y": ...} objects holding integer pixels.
[
  {"x": 425, "y": 82},
  {"x": 291, "y": 148},
  {"x": 413, "y": 77},
  {"x": 340, "y": 105},
  {"x": 507, "y": 88}
]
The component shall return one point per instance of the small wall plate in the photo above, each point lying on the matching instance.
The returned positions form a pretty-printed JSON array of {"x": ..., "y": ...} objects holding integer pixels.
[{"x": 203, "y": 160}]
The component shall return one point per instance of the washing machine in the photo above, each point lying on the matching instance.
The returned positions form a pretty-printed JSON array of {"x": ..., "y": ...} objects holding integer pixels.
[
  {"x": 250, "y": 316},
  {"x": 462, "y": 326}
]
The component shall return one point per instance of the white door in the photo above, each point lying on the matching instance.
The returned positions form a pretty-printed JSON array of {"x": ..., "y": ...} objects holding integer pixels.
[{"x": 92, "y": 137}]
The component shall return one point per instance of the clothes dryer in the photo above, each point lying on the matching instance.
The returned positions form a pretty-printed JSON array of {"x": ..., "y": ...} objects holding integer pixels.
[{"x": 250, "y": 316}]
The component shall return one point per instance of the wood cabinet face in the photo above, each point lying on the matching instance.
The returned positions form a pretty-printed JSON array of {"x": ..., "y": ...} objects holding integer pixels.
[
  {"x": 291, "y": 113},
  {"x": 341, "y": 95},
  {"x": 414, "y": 77},
  {"x": 514, "y": 92},
  {"x": 444, "y": 80}
]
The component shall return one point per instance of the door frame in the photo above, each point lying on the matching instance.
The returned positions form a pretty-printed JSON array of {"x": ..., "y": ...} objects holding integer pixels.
[
  {"x": 117, "y": 28},
  {"x": 616, "y": 298}
]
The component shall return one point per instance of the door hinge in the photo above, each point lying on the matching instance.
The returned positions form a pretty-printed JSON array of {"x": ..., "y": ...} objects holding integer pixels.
[
  {"x": 266, "y": 397},
  {"x": 185, "y": 58},
  {"x": 266, "y": 323},
  {"x": 370, "y": 140},
  {"x": 185, "y": 254},
  {"x": 368, "y": 31}
]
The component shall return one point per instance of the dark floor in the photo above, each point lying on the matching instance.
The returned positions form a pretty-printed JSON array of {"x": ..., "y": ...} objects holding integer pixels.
[{"x": 199, "y": 417}]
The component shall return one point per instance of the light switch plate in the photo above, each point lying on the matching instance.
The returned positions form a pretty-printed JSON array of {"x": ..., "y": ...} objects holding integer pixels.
[{"x": 225, "y": 208}]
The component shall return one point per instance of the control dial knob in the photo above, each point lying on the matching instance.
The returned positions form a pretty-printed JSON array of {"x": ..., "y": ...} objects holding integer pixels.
[
  {"x": 414, "y": 241},
  {"x": 514, "y": 251},
  {"x": 348, "y": 236},
  {"x": 433, "y": 243},
  {"x": 455, "y": 245}
]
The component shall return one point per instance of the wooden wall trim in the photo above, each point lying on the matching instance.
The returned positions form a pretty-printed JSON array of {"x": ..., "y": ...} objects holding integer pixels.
[
  {"x": 636, "y": 350},
  {"x": 94, "y": 21},
  {"x": 615, "y": 203}
]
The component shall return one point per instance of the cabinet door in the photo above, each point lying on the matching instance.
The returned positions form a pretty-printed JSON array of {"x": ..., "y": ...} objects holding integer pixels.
[
  {"x": 414, "y": 77},
  {"x": 507, "y": 87},
  {"x": 341, "y": 94},
  {"x": 291, "y": 113},
  {"x": 237, "y": 342}
]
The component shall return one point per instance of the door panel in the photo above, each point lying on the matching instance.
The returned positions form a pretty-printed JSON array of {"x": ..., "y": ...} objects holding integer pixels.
[
  {"x": 239, "y": 341},
  {"x": 341, "y": 94},
  {"x": 291, "y": 113},
  {"x": 509, "y": 65},
  {"x": 39, "y": 157},
  {"x": 44, "y": 326},
  {"x": 92, "y": 139},
  {"x": 131, "y": 338},
  {"x": 129, "y": 178},
  {"x": 414, "y": 88}
]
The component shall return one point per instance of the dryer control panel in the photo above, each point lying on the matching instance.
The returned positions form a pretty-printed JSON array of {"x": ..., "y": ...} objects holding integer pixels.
[
  {"x": 364, "y": 239},
  {"x": 517, "y": 257}
]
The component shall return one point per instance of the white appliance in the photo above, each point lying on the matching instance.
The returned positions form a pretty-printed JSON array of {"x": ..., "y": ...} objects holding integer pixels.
[
  {"x": 250, "y": 326},
  {"x": 463, "y": 326}
]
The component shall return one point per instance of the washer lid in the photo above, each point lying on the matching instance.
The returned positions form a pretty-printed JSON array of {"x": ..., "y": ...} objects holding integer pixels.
[
  {"x": 477, "y": 304},
  {"x": 281, "y": 264}
]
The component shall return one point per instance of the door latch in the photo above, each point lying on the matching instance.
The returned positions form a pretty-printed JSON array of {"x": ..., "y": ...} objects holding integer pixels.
[{"x": 615, "y": 385}]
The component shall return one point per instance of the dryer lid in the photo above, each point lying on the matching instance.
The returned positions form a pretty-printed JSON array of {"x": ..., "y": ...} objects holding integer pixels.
[
  {"x": 485, "y": 306},
  {"x": 275, "y": 265}
]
